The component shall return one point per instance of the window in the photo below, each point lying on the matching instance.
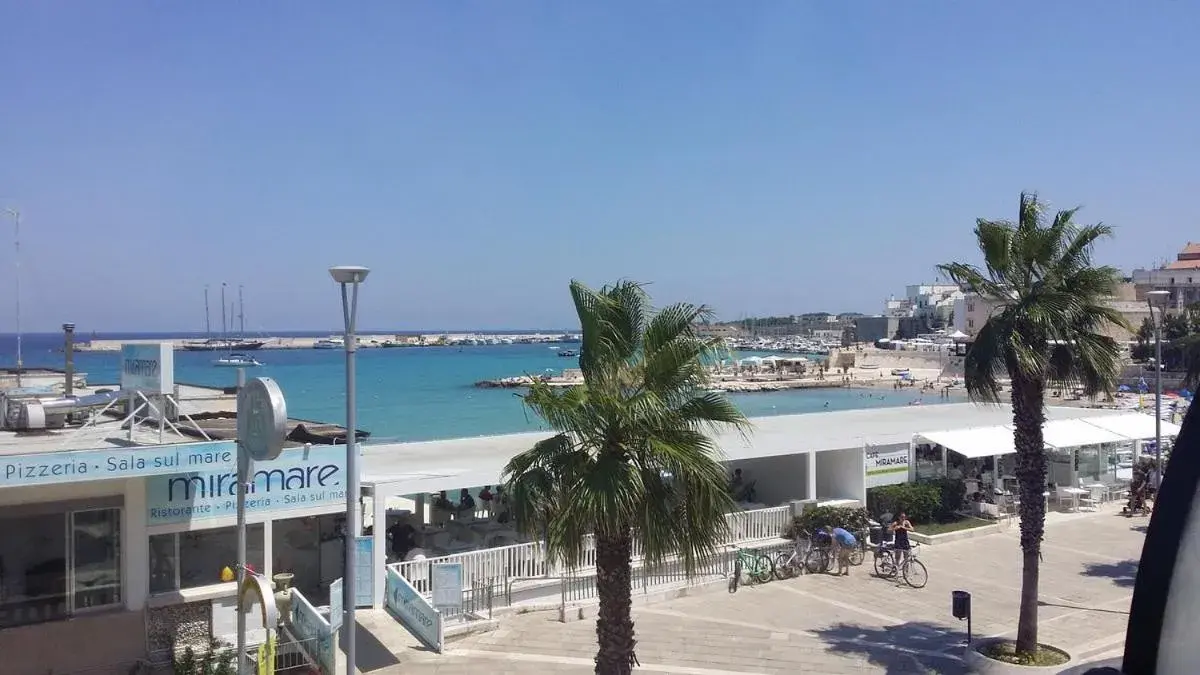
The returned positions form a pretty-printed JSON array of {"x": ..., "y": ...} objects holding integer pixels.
[
  {"x": 56, "y": 562},
  {"x": 190, "y": 559}
]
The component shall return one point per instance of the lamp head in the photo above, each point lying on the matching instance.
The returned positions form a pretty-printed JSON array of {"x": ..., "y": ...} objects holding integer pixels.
[
  {"x": 1157, "y": 298},
  {"x": 349, "y": 274}
]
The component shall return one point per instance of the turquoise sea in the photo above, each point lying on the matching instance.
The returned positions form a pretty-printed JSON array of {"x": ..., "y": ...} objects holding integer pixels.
[{"x": 417, "y": 393}]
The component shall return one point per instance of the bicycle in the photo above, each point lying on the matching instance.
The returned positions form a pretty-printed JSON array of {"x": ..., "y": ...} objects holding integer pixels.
[
  {"x": 858, "y": 554},
  {"x": 912, "y": 570},
  {"x": 789, "y": 563},
  {"x": 756, "y": 566}
]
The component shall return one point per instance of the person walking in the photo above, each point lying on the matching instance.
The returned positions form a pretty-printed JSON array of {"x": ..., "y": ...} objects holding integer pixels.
[{"x": 843, "y": 543}]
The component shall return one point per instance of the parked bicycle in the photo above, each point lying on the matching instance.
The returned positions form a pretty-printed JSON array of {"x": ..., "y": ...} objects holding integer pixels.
[
  {"x": 753, "y": 564},
  {"x": 790, "y": 563},
  {"x": 911, "y": 569}
]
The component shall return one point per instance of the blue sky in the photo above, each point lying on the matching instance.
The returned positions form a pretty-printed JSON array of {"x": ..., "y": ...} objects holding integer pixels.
[{"x": 762, "y": 157}]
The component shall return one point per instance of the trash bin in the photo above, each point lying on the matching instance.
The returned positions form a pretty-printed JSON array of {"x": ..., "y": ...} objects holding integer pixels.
[{"x": 960, "y": 604}]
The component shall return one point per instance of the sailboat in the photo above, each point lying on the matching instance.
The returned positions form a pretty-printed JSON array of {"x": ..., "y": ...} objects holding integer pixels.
[{"x": 224, "y": 343}]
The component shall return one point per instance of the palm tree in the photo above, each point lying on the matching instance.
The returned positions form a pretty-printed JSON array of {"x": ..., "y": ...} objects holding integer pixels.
[
  {"x": 633, "y": 457},
  {"x": 1046, "y": 329}
]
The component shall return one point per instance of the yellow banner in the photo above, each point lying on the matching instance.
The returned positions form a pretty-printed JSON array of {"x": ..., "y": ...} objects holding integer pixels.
[{"x": 266, "y": 655}]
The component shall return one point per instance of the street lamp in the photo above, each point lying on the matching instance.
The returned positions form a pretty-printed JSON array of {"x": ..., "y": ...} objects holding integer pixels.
[
  {"x": 1158, "y": 299},
  {"x": 349, "y": 277}
]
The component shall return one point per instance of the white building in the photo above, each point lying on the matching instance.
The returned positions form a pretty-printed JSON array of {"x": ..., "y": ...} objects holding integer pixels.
[
  {"x": 934, "y": 302},
  {"x": 1180, "y": 278}
]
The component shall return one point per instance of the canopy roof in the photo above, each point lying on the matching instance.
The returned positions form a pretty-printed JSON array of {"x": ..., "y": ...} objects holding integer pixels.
[
  {"x": 1074, "y": 433},
  {"x": 974, "y": 443},
  {"x": 1133, "y": 426},
  {"x": 1059, "y": 434}
]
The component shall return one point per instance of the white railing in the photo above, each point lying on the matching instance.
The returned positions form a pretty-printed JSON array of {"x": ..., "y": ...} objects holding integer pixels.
[
  {"x": 529, "y": 560},
  {"x": 758, "y": 524},
  {"x": 489, "y": 565}
]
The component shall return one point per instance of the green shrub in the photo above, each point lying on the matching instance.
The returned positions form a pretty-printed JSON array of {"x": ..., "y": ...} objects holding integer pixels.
[
  {"x": 854, "y": 520},
  {"x": 931, "y": 501}
]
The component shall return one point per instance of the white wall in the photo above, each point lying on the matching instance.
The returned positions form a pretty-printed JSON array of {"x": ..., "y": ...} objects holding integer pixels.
[
  {"x": 841, "y": 475},
  {"x": 777, "y": 479}
]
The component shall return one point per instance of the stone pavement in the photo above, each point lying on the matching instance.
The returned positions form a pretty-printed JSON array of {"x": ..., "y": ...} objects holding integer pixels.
[{"x": 856, "y": 624}]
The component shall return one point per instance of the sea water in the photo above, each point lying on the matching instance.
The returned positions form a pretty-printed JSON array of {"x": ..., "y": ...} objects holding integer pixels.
[{"x": 418, "y": 393}]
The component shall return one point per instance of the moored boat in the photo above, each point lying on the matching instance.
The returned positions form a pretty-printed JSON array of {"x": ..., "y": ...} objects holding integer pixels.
[{"x": 237, "y": 361}]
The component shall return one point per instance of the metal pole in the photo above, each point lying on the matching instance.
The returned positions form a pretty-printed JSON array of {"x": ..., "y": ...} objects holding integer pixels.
[
  {"x": 243, "y": 470},
  {"x": 17, "y": 266},
  {"x": 1158, "y": 368},
  {"x": 349, "y": 312}
]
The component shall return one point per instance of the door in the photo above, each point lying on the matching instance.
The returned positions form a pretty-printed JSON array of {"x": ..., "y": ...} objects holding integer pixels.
[{"x": 94, "y": 570}]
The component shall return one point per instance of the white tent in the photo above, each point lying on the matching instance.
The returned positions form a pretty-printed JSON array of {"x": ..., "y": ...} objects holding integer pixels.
[{"x": 973, "y": 443}]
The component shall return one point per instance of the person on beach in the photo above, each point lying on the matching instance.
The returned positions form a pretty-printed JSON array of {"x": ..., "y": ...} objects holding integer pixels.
[{"x": 486, "y": 496}]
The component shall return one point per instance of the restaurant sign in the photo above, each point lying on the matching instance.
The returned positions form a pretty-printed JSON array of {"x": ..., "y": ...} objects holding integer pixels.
[
  {"x": 298, "y": 479},
  {"x": 886, "y": 465},
  {"x": 75, "y": 466}
]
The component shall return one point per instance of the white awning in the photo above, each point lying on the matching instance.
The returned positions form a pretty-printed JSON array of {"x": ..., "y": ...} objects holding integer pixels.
[
  {"x": 1064, "y": 434},
  {"x": 973, "y": 443},
  {"x": 1133, "y": 425}
]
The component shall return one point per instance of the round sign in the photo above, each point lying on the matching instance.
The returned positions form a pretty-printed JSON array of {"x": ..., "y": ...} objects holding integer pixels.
[{"x": 261, "y": 419}]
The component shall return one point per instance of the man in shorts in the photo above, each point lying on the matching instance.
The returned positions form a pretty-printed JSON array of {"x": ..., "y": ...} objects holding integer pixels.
[{"x": 843, "y": 543}]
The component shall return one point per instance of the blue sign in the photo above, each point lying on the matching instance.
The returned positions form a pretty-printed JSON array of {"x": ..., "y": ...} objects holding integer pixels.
[
  {"x": 298, "y": 479},
  {"x": 72, "y": 466},
  {"x": 364, "y": 571},
  {"x": 313, "y": 633},
  {"x": 413, "y": 611}
]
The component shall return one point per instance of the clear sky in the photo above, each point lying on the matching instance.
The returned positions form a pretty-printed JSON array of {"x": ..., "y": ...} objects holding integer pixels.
[{"x": 761, "y": 157}]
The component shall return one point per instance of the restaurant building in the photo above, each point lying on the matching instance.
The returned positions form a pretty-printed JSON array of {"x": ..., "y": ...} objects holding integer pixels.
[{"x": 114, "y": 537}]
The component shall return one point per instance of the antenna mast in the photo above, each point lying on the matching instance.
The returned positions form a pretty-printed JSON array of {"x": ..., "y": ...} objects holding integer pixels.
[{"x": 16, "y": 216}]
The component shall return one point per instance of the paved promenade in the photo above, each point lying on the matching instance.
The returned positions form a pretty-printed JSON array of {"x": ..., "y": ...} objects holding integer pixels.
[{"x": 856, "y": 624}]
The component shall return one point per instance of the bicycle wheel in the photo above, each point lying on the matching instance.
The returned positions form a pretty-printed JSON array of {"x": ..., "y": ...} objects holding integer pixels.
[
  {"x": 816, "y": 561},
  {"x": 885, "y": 566},
  {"x": 857, "y": 555},
  {"x": 736, "y": 576},
  {"x": 763, "y": 569},
  {"x": 915, "y": 574},
  {"x": 784, "y": 569}
]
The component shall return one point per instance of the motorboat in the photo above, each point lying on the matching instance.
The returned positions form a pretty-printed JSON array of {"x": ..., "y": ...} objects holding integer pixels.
[
  {"x": 237, "y": 361},
  {"x": 331, "y": 342}
]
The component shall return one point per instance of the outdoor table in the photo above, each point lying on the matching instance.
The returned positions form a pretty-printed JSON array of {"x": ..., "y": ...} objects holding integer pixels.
[
  {"x": 1099, "y": 491},
  {"x": 1075, "y": 493}
]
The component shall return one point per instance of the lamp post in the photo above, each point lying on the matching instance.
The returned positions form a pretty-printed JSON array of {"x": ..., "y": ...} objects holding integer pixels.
[
  {"x": 1158, "y": 299},
  {"x": 349, "y": 277}
]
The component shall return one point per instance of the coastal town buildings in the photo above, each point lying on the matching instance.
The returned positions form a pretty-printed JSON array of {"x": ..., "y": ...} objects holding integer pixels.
[
  {"x": 1180, "y": 278},
  {"x": 923, "y": 309},
  {"x": 972, "y": 312}
]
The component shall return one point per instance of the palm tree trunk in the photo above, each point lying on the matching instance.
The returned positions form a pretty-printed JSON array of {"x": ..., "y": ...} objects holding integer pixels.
[
  {"x": 614, "y": 624},
  {"x": 1029, "y": 414}
]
